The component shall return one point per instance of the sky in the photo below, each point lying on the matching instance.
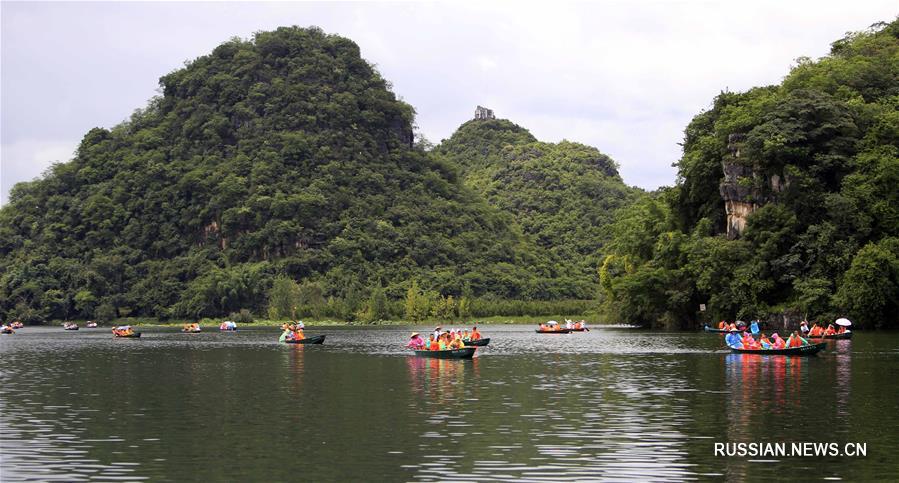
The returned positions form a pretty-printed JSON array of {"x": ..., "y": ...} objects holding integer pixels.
[{"x": 623, "y": 76}]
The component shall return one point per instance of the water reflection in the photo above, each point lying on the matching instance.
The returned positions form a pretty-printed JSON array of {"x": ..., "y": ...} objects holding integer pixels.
[{"x": 602, "y": 405}]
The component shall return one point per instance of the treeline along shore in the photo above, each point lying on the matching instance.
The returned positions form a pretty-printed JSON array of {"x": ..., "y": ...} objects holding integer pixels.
[{"x": 279, "y": 177}]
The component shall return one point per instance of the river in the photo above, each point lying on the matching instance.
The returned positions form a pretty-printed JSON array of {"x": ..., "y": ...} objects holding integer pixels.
[{"x": 607, "y": 404}]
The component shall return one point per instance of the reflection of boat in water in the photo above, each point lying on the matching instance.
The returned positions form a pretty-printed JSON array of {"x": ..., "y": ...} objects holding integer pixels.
[
  {"x": 476, "y": 343},
  {"x": 806, "y": 350},
  {"x": 463, "y": 353},
  {"x": 318, "y": 339}
]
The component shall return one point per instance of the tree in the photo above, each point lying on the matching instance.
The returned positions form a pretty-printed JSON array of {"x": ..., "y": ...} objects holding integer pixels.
[{"x": 283, "y": 298}]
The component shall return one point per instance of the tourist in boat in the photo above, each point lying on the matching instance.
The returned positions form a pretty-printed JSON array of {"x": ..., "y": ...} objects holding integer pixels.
[
  {"x": 456, "y": 343},
  {"x": 298, "y": 331},
  {"x": 841, "y": 330},
  {"x": 777, "y": 341},
  {"x": 416, "y": 342},
  {"x": 765, "y": 342},
  {"x": 816, "y": 330},
  {"x": 803, "y": 327},
  {"x": 475, "y": 335},
  {"x": 795, "y": 340},
  {"x": 733, "y": 340},
  {"x": 7, "y": 329},
  {"x": 749, "y": 342},
  {"x": 722, "y": 325},
  {"x": 123, "y": 331},
  {"x": 830, "y": 330}
]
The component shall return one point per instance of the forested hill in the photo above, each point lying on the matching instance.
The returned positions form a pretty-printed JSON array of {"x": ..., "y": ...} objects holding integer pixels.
[
  {"x": 562, "y": 195},
  {"x": 283, "y": 155},
  {"x": 787, "y": 202}
]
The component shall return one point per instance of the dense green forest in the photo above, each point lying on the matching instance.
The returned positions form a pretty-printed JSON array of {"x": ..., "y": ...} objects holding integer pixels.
[
  {"x": 563, "y": 196},
  {"x": 280, "y": 172},
  {"x": 815, "y": 160},
  {"x": 284, "y": 157}
]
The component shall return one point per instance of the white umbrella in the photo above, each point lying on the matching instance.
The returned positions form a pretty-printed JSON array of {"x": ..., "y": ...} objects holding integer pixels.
[
  {"x": 552, "y": 322},
  {"x": 844, "y": 322}
]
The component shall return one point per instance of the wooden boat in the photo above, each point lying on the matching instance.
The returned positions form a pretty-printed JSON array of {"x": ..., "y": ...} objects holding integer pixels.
[
  {"x": 712, "y": 329},
  {"x": 191, "y": 331},
  {"x": 317, "y": 339},
  {"x": 556, "y": 331},
  {"x": 582, "y": 329},
  {"x": 463, "y": 353},
  {"x": 7, "y": 330},
  {"x": 91, "y": 325},
  {"x": 844, "y": 335},
  {"x": 476, "y": 343},
  {"x": 70, "y": 327},
  {"x": 806, "y": 350},
  {"x": 135, "y": 335}
]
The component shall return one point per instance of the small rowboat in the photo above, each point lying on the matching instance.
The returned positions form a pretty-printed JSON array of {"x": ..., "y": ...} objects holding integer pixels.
[
  {"x": 557, "y": 331},
  {"x": 71, "y": 327},
  {"x": 191, "y": 331},
  {"x": 712, "y": 329},
  {"x": 463, "y": 353},
  {"x": 806, "y": 350},
  {"x": 135, "y": 335},
  {"x": 318, "y": 339},
  {"x": 582, "y": 329},
  {"x": 7, "y": 330},
  {"x": 476, "y": 343},
  {"x": 844, "y": 335}
]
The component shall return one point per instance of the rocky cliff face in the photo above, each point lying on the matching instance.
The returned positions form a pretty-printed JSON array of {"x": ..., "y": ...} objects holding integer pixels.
[{"x": 744, "y": 189}]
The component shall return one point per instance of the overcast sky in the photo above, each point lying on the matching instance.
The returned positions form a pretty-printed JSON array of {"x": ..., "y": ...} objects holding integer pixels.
[{"x": 624, "y": 76}]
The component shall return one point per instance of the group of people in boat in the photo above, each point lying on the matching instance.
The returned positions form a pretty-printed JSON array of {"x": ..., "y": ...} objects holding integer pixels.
[
  {"x": 122, "y": 331},
  {"x": 446, "y": 340},
  {"x": 228, "y": 325},
  {"x": 819, "y": 331},
  {"x": 70, "y": 326},
  {"x": 731, "y": 326},
  {"x": 293, "y": 331},
  {"x": 194, "y": 327},
  {"x": 7, "y": 329},
  {"x": 748, "y": 342}
]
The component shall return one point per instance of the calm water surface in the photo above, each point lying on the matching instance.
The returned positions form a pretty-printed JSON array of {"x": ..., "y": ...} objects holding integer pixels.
[{"x": 608, "y": 404}]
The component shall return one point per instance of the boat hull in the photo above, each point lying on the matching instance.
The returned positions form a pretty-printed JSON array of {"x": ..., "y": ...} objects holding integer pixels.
[
  {"x": 318, "y": 339},
  {"x": 135, "y": 335},
  {"x": 806, "y": 350},
  {"x": 560, "y": 331},
  {"x": 476, "y": 343},
  {"x": 464, "y": 353}
]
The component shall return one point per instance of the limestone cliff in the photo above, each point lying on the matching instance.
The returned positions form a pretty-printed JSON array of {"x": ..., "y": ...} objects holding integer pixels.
[{"x": 744, "y": 189}]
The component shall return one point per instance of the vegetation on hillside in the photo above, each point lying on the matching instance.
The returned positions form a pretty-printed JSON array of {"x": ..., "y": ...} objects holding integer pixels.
[
  {"x": 563, "y": 196},
  {"x": 284, "y": 155},
  {"x": 823, "y": 243}
]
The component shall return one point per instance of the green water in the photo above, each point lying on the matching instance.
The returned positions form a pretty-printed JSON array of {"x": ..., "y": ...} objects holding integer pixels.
[{"x": 606, "y": 404}]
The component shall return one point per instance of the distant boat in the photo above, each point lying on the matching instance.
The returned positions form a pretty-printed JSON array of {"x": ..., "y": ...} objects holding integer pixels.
[
  {"x": 844, "y": 335},
  {"x": 463, "y": 353},
  {"x": 133, "y": 335},
  {"x": 476, "y": 343},
  {"x": 805, "y": 350},
  {"x": 317, "y": 339},
  {"x": 90, "y": 325},
  {"x": 70, "y": 326}
]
